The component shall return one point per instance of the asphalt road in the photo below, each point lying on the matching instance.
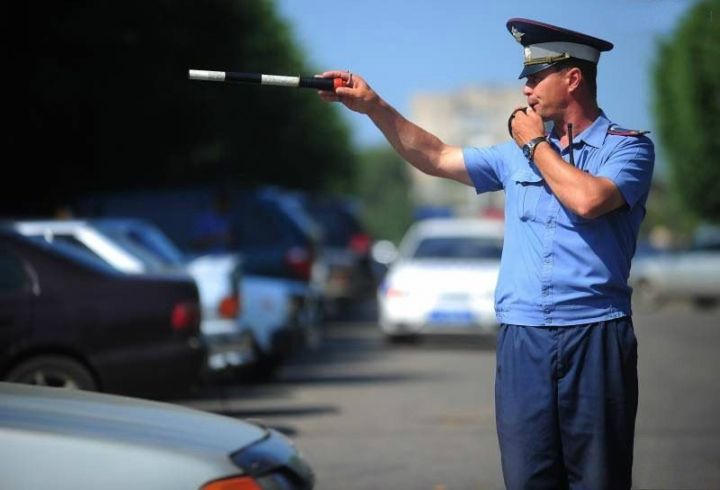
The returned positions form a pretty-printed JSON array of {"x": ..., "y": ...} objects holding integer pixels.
[{"x": 369, "y": 415}]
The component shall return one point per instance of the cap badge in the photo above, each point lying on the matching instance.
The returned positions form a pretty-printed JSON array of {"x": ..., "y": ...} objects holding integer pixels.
[{"x": 517, "y": 34}]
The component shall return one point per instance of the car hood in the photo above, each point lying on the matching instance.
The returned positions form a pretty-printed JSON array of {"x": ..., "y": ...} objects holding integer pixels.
[
  {"x": 118, "y": 418},
  {"x": 436, "y": 275}
]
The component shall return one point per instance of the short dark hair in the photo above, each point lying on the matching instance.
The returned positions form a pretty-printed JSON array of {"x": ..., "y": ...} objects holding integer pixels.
[{"x": 588, "y": 69}]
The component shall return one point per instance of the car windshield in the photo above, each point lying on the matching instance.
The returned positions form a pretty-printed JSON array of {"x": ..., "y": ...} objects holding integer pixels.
[{"x": 458, "y": 248}]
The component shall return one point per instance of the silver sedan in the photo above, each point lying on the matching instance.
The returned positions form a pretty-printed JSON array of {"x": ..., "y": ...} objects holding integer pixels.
[
  {"x": 69, "y": 439},
  {"x": 692, "y": 274}
]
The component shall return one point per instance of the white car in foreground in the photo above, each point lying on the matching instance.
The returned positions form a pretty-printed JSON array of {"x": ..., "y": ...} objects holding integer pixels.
[
  {"x": 443, "y": 280},
  {"x": 70, "y": 439}
]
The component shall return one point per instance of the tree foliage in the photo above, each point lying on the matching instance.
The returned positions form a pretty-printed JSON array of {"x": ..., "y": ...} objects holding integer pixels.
[
  {"x": 103, "y": 102},
  {"x": 383, "y": 185},
  {"x": 687, "y": 105}
]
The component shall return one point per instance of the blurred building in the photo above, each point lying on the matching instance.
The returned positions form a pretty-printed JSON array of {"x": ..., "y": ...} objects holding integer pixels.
[{"x": 471, "y": 116}]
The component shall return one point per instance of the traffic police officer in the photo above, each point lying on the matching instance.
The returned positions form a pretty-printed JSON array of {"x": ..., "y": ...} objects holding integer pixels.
[{"x": 566, "y": 380}]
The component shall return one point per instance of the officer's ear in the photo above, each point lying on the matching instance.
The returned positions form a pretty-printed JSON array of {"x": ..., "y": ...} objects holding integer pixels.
[{"x": 574, "y": 77}]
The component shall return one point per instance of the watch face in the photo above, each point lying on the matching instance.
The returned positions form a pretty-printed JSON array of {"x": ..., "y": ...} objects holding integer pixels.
[{"x": 526, "y": 150}]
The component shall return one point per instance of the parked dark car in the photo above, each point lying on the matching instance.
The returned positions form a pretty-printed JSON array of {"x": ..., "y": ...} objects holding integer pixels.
[
  {"x": 345, "y": 261},
  {"x": 135, "y": 246},
  {"x": 69, "y": 440},
  {"x": 69, "y": 319},
  {"x": 272, "y": 233},
  {"x": 267, "y": 227}
]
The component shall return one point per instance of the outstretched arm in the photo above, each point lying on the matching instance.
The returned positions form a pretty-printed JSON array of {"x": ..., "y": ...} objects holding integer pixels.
[{"x": 421, "y": 149}]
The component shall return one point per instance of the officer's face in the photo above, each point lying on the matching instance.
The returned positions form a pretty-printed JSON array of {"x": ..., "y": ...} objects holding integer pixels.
[{"x": 547, "y": 92}]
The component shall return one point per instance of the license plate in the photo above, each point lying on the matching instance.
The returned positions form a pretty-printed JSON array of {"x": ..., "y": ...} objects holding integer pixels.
[{"x": 451, "y": 317}]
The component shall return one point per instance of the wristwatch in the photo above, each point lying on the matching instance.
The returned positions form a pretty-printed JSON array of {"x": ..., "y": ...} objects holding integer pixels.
[{"x": 529, "y": 148}]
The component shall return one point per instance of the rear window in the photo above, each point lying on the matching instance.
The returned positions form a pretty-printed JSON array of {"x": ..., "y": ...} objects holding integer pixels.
[
  {"x": 143, "y": 241},
  {"x": 458, "y": 248},
  {"x": 264, "y": 224},
  {"x": 338, "y": 226}
]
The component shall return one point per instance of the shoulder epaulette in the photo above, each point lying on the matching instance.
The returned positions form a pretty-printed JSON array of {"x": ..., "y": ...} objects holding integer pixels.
[{"x": 618, "y": 131}]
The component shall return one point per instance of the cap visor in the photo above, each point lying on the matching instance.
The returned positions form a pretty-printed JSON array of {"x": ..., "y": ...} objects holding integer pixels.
[{"x": 532, "y": 69}]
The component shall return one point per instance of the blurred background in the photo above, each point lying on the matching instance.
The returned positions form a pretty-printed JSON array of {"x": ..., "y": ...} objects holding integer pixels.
[
  {"x": 286, "y": 211},
  {"x": 104, "y": 103}
]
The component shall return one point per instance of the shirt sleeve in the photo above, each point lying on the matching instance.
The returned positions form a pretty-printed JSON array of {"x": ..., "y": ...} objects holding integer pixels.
[
  {"x": 631, "y": 167},
  {"x": 485, "y": 167}
]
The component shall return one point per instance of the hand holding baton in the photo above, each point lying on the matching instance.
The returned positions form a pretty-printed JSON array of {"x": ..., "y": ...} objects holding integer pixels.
[{"x": 317, "y": 83}]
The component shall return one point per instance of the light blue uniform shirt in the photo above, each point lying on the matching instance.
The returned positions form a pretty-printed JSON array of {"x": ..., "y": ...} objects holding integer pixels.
[{"x": 558, "y": 268}]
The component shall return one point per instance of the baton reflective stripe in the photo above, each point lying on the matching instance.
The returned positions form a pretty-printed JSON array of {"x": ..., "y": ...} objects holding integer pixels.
[
  {"x": 279, "y": 81},
  {"x": 328, "y": 84},
  {"x": 213, "y": 76}
]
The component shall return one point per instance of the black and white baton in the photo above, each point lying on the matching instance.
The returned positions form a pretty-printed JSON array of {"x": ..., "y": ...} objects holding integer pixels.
[{"x": 327, "y": 84}]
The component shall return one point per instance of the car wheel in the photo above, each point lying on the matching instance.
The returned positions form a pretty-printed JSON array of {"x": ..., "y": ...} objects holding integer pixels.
[
  {"x": 265, "y": 365},
  {"x": 56, "y": 371},
  {"x": 705, "y": 303}
]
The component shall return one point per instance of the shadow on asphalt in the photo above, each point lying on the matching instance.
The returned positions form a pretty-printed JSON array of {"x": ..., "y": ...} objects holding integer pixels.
[
  {"x": 349, "y": 379},
  {"x": 447, "y": 342},
  {"x": 334, "y": 361},
  {"x": 250, "y": 413}
]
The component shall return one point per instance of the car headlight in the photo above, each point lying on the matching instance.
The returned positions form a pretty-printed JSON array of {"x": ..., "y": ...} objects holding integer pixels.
[{"x": 273, "y": 463}]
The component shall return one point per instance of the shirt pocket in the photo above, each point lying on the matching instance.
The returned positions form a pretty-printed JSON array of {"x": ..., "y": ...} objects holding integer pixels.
[{"x": 529, "y": 188}]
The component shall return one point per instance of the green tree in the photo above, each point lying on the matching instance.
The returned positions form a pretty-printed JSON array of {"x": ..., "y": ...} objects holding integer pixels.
[
  {"x": 103, "y": 102},
  {"x": 687, "y": 106},
  {"x": 383, "y": 186}
]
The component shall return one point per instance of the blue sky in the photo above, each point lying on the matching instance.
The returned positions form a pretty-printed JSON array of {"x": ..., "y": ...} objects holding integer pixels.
[{"x": 405, "y": 47}]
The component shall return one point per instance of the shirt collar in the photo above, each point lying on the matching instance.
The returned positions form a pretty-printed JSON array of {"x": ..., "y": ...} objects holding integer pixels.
[{"x": 593, "y": 135}]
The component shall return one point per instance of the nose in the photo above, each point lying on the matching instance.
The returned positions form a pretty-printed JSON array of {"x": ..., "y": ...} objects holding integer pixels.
[{"x": 527, "y": 89}]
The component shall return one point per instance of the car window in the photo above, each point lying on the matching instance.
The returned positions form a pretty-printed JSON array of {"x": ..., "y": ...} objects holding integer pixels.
[
  {"x": 69, "y": 243},
  {"x": 72, "y": 240},
  {"x": 261, "y": 225},
  {"x": 71, "y": 247},
  {"x": 338, "y": 225},
  {"x": 13, "y": 277},
  {"x": 150, "y": 245},
  {"x": 458, "y": 248}
]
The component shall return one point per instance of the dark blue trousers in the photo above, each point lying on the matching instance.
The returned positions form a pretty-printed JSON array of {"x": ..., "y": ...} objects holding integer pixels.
[{"x": 565, "y": 400}]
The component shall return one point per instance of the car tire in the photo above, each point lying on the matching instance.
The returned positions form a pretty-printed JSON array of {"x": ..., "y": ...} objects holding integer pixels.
[
  {"x": 265, "y": 366},
  {"x": 703, "y": 303},
  {"x": 56, "y": 371}
]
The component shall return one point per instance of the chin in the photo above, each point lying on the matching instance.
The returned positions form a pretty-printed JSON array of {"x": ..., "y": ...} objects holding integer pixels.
[{"x": 540, "y": 112}]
